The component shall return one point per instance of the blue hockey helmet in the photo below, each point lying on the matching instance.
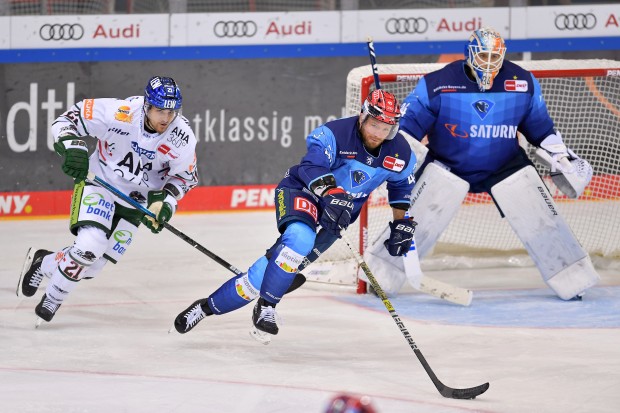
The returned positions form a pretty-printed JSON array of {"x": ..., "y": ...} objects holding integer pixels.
[
  {"x": 484, "y": 53},
  {"x": 163, "y": 93}
]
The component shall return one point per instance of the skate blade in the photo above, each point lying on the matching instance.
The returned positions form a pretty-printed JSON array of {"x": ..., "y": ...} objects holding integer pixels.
[
  {"x": 260, "y": 336},
  {"x": 27, "y": 262},
  {"x": 172, "y": 330},
  {"x": 38, "y": 322}
]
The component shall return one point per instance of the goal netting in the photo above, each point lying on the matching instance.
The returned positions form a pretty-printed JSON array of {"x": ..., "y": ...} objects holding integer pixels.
[{"x": 583, "y": 98}]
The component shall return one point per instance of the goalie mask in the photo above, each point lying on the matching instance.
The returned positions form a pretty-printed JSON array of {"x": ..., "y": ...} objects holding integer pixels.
[
  {"x": 384, "y": 107},
  {"x": 162, "y": 93},
  {"x": 485, "y": 55}
]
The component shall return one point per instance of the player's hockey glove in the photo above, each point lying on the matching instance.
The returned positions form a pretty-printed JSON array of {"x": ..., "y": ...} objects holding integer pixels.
[
  {"x": 401, "y": 236},
  {"x": 337, "y": 208},
  {"x": 75, "y": 154},
  {"x": 163, "y": 205}
]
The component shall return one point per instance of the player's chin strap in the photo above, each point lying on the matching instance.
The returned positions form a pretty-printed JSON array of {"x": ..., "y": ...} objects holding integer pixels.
[
  {"x": 299, "y": 279},
  {"x": 445, "y": 391}
]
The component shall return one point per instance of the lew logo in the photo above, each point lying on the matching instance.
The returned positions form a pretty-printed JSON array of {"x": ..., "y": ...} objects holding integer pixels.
[
  {"x": 515, "y": 85},
  {"x": 14, "y": 204},
  {"x": 393, "y": 164}
]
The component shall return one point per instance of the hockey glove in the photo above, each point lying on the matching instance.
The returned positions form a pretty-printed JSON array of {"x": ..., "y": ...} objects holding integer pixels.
[
  {"x": 337, "y": 208},
  {"x": 163, "y": 205},
  {"x": 401, "y": 236},
  {"x": 75, "y": 155},
  {"x": 569, "y": 173}
]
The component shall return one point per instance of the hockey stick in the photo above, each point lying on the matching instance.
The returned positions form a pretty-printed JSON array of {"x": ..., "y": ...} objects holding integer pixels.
[
  {"x": 445, "y": 391},
  {"x": 419, "y": 281},
  {"x": 299, "y": 280}
]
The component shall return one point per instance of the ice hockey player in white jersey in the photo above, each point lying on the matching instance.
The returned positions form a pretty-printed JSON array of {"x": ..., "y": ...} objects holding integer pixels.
[
  {"x": 471, "y": 111},
  {"x": 145, "y": 148}
]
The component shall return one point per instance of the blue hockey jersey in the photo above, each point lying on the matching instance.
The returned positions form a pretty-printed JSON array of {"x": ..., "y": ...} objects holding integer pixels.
[
  {"x": 336, "y": 148},
  {"x": 474, "y": 133}
]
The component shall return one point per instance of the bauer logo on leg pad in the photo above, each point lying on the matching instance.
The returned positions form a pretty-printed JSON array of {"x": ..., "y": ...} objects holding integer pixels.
[{"x": 289, "y": 260}]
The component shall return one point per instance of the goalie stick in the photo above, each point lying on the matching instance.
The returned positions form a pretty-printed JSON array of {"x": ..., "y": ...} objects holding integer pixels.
[
  {"x": 419, "y": 281},
  {"x": 445, "y": 391},
  {"x": 300, "y": 279}
]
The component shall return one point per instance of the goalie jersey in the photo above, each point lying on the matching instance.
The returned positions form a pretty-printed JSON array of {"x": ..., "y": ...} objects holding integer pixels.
[
  {"x": 127, "y": 156},
  {"x": 336, "y": 148},
  {"x": 471, "y": 132}
]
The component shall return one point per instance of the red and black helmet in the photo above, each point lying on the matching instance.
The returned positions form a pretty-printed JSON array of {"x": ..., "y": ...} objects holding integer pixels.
[
  {"x": 345, "y": 403},
  {"x": 384, "y": 107}
]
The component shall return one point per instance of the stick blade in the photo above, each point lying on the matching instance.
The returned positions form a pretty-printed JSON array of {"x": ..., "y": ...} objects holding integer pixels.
[{"x": 470, "y": 393}]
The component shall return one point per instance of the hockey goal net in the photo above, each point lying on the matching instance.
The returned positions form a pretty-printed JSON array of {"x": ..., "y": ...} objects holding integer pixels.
[{"x": 583, "y": 98}]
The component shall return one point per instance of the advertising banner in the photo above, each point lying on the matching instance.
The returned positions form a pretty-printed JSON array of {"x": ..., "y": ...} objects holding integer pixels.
[
  {"x": 84, "y": 31},
  {"x": 573, "y": 21},
  {"x": 421, "y": 24},
  {"x": 254, "y": 28}
]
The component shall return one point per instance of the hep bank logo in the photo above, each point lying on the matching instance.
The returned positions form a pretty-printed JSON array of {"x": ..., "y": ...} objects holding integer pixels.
[
  {"x": 123, "y": 239},
  {"x": 97, "y": 205}
]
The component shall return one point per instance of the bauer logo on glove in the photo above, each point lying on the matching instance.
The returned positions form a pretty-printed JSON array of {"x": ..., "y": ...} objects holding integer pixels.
[{"x": 401, "y": 236}]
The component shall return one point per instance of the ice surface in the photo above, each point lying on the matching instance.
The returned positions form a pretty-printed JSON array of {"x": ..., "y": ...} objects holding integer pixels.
[{"x": 108, "y": 348}]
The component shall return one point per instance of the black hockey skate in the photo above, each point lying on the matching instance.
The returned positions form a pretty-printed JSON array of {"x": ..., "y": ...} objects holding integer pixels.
[
  {"x": 46, "y": 309},
  {"x": 31, "y": 275},
  {"x": 191, "y": 316},
  {"x": 264, "y": 317}
]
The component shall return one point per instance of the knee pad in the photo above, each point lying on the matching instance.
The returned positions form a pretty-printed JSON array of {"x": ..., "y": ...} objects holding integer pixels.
[
  {"x": 89, "y": 245},
  {"x": 299, "y": 237}
]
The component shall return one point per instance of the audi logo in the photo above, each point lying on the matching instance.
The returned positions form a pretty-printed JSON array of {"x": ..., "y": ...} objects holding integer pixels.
[
  {"x": 577, "y": 21},
  {"x": 410, "y": 25},
  {"x": 235, "y": 29},
  {"x": 61, "y": 32}
]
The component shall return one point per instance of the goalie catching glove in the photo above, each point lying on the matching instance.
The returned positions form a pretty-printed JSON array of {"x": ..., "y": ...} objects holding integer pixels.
[
  {"x": 336, "y": 210},
  {"x": 75, "y": 154},
  {"x": 162, "y": 205},
  {"x": 401, "y": 236},
  {"x": 569, "y": 173}
]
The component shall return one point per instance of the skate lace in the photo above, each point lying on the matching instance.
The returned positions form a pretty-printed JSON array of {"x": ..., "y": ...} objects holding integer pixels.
[
  {"x": 36, "y": 278},
  {"x": 50, "y": 306},
  {"x": 193, "y": 316},
  {"x": 270, "y": 315}
]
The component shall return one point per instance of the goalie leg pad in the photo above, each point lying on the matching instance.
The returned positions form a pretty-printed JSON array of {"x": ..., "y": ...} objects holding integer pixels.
[
  {"x": 436, "y": 198},
  {"x": 534, "y": 217}
]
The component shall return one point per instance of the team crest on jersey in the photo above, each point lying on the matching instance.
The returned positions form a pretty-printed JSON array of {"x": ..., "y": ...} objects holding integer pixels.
[
  {"x": 358, "y": 178},
  {"x": 369, "y": 160},
  {"x": 393, "y": 164},
  {"x": 123, "y": 114},
  {"x": 483, "y": 107},
  {"x": 515, "y": 85}
]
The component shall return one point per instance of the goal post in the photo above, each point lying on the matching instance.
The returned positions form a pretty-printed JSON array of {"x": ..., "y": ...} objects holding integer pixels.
[{"x": 583, "y": 99}]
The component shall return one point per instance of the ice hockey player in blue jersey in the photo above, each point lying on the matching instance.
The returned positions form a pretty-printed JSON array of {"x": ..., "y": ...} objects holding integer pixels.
[
  {"x": 346, "y": 160},
  {"x": 470, "y": 111}
]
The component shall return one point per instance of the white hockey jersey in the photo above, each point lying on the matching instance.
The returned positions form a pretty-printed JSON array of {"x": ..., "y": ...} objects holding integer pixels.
[{"x": 127, "y": 156}]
